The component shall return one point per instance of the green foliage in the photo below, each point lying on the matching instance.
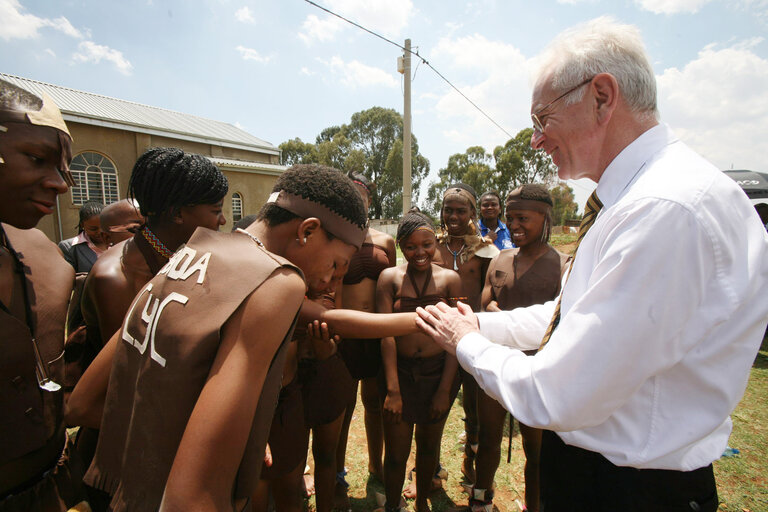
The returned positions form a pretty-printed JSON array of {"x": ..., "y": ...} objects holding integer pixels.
[
  {"x": 565, "y": 205},
  {"x": 297, "y": 152},
  {"x": 472, "y": 167},
  {"x": 511, "y": 165},
  {"x": 517, "y": 163},
  {"x": 370, "y": 144}
]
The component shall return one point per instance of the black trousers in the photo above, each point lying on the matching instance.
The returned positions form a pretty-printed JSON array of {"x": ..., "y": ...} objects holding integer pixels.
[{"x": 574, "y": 479}]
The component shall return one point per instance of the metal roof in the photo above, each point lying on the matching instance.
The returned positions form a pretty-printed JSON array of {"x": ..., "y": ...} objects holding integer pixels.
[
  {"x": 95, "y": 109},
  {"x": 246, "y": 166}
]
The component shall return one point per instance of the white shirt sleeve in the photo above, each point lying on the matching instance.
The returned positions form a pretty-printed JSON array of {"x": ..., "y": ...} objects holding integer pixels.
[{"x": 624, "y": 310}]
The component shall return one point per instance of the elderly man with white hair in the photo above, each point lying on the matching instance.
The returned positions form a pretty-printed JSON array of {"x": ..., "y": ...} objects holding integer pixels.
[{"x": 647, "y": 350}]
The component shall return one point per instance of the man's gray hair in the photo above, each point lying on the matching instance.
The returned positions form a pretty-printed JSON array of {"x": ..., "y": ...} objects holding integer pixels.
[{"x": 601, "y": 46}]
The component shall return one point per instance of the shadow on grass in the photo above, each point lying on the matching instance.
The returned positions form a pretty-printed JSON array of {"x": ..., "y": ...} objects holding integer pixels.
[{"x": 761, "y": 360}]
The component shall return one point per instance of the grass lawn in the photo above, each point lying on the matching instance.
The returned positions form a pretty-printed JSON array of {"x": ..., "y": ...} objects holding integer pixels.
[{"x": 742, "y": 479}]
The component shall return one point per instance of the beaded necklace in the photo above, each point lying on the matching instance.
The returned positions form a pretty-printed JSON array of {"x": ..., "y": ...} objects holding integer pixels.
[
  {"x": 253, "y": 237},
  {"x": 156, "y": 244}
]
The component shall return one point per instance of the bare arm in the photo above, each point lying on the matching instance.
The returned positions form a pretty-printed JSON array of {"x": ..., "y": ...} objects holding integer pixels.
[
  {"x": 218, "y": 429},
  {"x": 487, "y": 296},
  {"x": 349, "y": 323},
  {"x": 393, "y": 402},
  {"x": 86, "y": 403}
]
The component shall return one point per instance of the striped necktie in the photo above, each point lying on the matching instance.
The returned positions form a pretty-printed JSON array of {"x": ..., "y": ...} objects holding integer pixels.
[{"x": 590, "y": 214}]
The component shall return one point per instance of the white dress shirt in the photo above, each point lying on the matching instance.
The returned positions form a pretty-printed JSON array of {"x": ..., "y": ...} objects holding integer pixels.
[{"x": 661, "y": 317}]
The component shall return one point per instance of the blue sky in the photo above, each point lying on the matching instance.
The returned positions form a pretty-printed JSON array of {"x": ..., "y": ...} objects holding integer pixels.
[{"x": 282, "y": 68}]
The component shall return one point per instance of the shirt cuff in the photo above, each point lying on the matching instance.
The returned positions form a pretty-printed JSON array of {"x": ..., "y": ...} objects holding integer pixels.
[{"x": 468, "y": 348}]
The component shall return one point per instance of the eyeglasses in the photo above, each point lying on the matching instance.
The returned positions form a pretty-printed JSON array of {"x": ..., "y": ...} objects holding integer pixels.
[{"x": 537, "y": 124}]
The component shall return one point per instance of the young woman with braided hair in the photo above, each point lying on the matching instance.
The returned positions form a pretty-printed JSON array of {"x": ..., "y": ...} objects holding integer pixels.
[
  {"x": 81, "y": 251},
  {"x": 419, "y": 382},
  {"x": 177, "y": 192}
]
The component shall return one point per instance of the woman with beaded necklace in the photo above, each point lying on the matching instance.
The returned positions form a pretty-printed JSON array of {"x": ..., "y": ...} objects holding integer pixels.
[{"x": 177, "y": 192}]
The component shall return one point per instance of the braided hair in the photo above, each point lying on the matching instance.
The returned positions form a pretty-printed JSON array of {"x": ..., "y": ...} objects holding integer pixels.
[
  {"x": 88, "y": 210},
  {"x": 321, "y": 184},
  {"x": 165, "y": 179},
  {"x": 410, "y": 222},
  {"x": 362, "y": 180}
]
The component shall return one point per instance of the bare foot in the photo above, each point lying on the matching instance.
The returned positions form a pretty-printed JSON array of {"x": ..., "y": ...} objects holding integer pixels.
[{"x": 410, "y": 490}]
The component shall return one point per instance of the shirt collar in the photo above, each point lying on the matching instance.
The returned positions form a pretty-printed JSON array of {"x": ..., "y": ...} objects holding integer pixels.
[
  {"x": 499, "y": 226},
  {"x": 81, "y": 238},
  {"x": 628, "y": 163}
]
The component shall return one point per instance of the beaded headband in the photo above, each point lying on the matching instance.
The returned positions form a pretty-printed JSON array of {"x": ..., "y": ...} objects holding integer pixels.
[
  {"x": 338, "y": 226},
  {"x": 49, "y": 115}
]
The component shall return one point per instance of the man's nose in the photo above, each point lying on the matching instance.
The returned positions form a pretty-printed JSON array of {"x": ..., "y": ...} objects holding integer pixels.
[{"x": 537, "y": 139}]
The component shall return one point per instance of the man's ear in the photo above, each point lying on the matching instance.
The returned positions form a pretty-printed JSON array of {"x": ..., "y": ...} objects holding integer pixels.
[
  {"x": 307, "y": 228},
  {"x": 605, "y": 89}
]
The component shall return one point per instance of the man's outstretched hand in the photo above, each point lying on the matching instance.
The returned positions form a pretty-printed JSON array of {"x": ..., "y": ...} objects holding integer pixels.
[{"x": 447, "y": 325}]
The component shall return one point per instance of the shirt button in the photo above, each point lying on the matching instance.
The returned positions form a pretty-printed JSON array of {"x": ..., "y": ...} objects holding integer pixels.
[
  {"x": 694, "y": 506},
  {"x": 17, "y": 382}
]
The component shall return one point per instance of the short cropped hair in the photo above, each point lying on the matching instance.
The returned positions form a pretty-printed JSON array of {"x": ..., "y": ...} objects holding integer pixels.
[
  {"x": 601, "y": 46},
  {"x": 321, "y": 184}
]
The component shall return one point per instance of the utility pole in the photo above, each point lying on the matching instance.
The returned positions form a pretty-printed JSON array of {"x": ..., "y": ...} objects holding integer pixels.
[{"x": 407, "y": 128}]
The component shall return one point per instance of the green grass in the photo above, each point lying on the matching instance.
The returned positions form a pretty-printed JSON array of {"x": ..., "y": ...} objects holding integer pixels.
[{"x": 742, "y": 480}]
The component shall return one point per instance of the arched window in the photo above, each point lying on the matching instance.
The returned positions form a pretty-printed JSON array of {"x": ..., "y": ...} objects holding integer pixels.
[
  {"x": 237, "y": 207},
  {"x": 95, "y": 179}
]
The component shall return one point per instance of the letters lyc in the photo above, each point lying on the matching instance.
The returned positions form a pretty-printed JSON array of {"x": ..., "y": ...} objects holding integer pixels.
[{"x": 179, "y": 267}]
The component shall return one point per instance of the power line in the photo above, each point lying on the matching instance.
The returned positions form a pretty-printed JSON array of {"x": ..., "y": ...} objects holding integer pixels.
[{"x": 425, "y": 61}]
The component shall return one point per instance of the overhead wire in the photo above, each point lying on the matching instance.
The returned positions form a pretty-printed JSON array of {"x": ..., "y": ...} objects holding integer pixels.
[{"x": 416, "y": 53}]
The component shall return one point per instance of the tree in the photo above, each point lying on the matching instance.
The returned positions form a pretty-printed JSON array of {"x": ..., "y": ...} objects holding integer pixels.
[
  {"x": 297, "y": 152},
  {"x": 472, "y": 167},
  {"x": 371, "y": 144},
  {"x": 517, "y": 163},
  {"x": 565, "y": 207}
]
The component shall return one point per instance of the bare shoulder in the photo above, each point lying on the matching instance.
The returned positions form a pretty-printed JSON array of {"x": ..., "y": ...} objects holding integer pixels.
[
  {"x": 381, "y": 238},
  {"x": 450, "y": 276},
  {"x": 108, "y": 264},
  {"x": 391, "y": 274},
  {"x": 283, "y": 287}
]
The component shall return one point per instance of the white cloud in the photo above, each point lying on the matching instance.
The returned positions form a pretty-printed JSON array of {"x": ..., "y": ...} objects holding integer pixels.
[
  {"x": 388, "y": 17},
  {"x": 355, "y": 74},
  {"x": 251, "y": 54},
  {"x": 50, "y": 52},
  {"x": 62, "y": 24},
  {"x": 316, "y": 29},
  {"x": 494, "y": 76},
  {"x": 672, "y": 6},
  {"x": 92, "y": 52},
  {"x": 244, "y": 15},
  {"x": 717, "y": 104},
  {"x": 307, "y": 71},
  {"x": 17, "y": 25}
]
